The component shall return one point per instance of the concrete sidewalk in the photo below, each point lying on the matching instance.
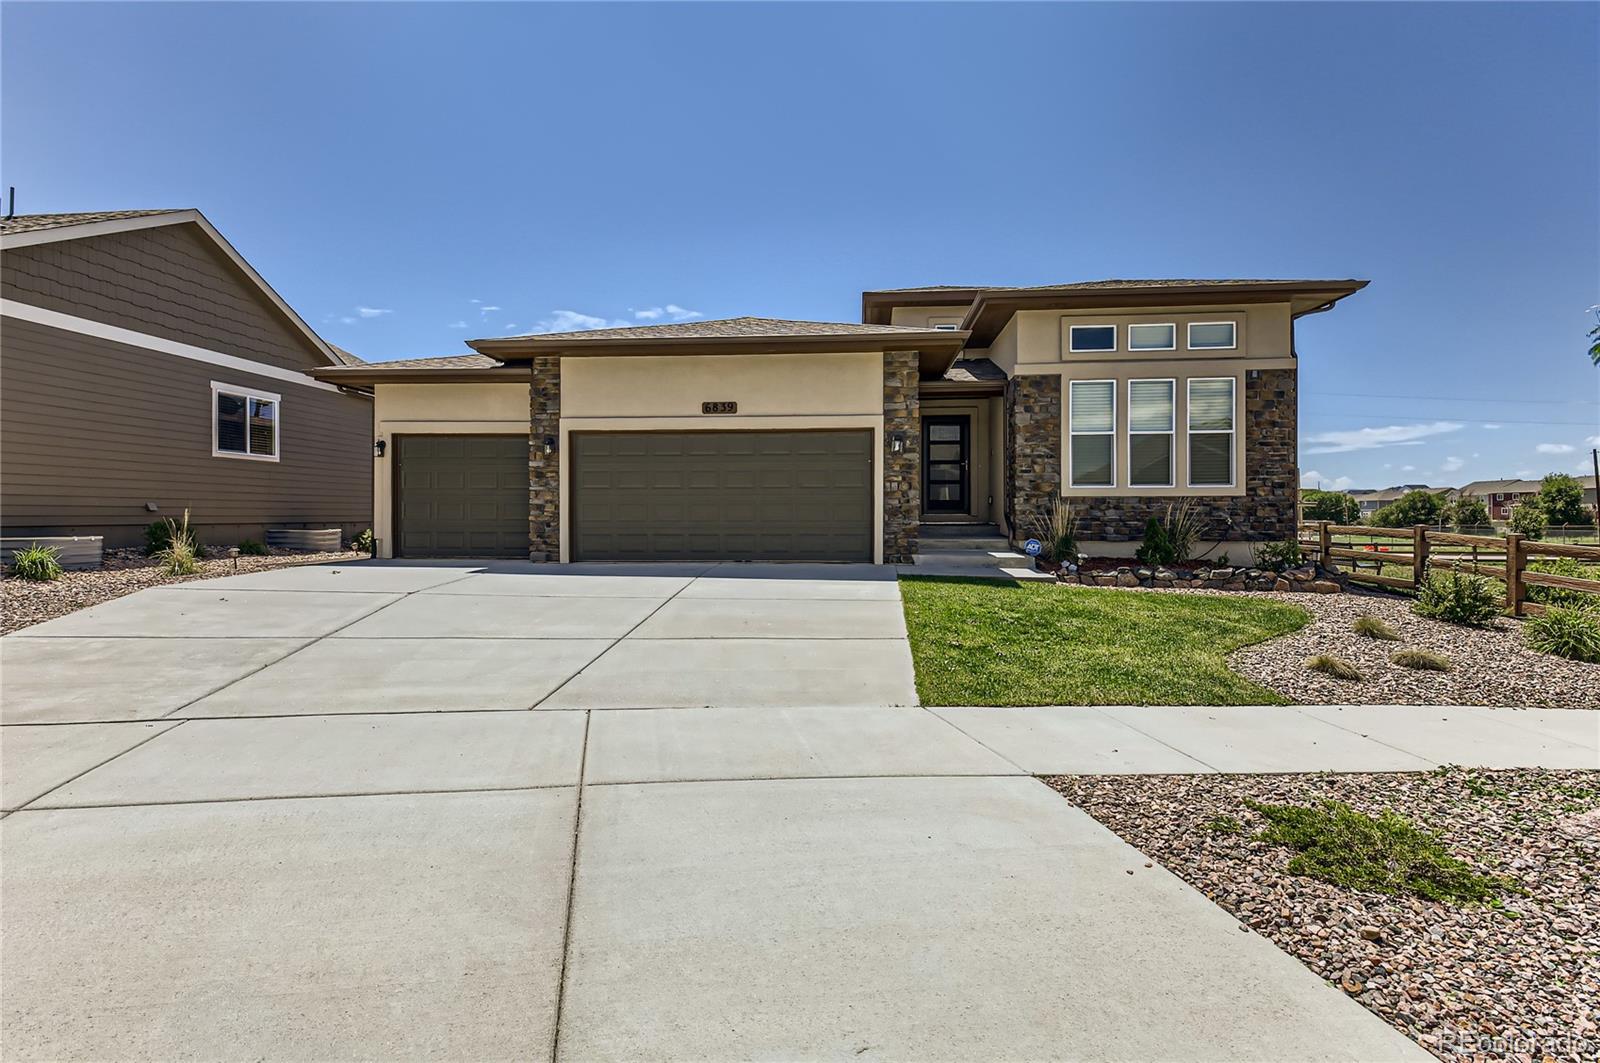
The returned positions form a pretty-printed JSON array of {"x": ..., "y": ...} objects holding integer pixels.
[{"x": 1145, "y": 740}]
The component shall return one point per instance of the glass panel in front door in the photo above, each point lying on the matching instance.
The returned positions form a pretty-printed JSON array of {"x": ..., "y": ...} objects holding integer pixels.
[{"x": 945, "y": 449}]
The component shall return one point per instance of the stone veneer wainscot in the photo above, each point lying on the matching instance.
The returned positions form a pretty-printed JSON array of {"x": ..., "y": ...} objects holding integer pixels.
[
  {"x": 902, "y": 470},
  {"x": 544, "y": 469}
]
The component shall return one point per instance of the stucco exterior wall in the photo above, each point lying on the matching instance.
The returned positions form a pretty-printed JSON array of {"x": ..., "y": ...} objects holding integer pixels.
[
  {"x": 1265, "y": 332},
  {"x": 928, "y": 316},
  {"x": 440, "y": 409}
]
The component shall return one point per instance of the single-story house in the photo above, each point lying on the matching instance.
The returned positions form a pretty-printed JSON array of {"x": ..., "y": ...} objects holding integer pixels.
[
  {"x": 146, "y": 368},
  {"x": 758, "y": 438}
]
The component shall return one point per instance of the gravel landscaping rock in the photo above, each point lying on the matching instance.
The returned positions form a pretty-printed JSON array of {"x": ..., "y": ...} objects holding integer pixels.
[
  {"x": 1490, "y": 666},
  {"x": 125, "y": 571},
  {"x": 1517, "y": 981}
]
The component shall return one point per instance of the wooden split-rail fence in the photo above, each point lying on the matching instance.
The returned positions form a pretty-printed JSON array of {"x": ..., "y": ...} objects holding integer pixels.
[{"x": 1420, "y": 549}]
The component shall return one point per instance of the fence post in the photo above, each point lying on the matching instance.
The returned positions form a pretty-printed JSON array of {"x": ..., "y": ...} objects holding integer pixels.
[
  {"x": 1514, "y": 573},
  {"x": 1419, "y": 555},
  {"x": 1323, "y": 542}
]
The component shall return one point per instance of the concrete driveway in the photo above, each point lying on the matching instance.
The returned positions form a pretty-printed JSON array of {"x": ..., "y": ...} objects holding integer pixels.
[{"x": 307, "y": 814}]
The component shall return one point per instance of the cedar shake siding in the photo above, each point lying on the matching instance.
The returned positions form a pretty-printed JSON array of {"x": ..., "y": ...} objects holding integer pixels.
[
  {"x": 91, "y": 430},
  {"x": 168, "y": 281}
]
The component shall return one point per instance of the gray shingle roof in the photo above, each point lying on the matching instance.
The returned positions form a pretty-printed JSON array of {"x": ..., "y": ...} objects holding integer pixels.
[
  {"x": 345, "y": 357},
  {"x": 974, "y": 370},
  {"x": 449, "y": 361},
  {"x": 725, "y": 328},
  {"x": 27, "y": 223}
]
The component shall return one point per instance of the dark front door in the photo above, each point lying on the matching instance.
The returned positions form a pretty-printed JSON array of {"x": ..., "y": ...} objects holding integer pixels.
[
  {"x": 946, "y": 454},
  {"x": 727, "y": 495}
]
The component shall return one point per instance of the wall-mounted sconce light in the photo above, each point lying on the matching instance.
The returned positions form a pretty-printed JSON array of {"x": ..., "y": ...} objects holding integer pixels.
[
  {"x": 897, "y": 442},
  {"x": 549, "y": 444},
  {"x": 378, "y": 447},
  {"x": 151, "y": 507}
]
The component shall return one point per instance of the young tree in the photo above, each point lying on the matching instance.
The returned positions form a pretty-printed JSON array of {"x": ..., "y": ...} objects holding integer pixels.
[
  {"x": 1561, "y": 499},
  {"x": 1334, "y": 506},
  {"x": 1528, "y": 519},
  {"x": 1413, "y": 507},
  {"x": 1469, "y": 512}
]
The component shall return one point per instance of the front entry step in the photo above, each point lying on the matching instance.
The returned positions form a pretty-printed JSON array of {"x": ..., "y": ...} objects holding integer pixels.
[{"x": 999, "y": 563}]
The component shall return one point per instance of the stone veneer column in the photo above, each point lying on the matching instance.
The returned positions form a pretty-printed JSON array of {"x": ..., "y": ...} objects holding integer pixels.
[
  {"x": 544, "y": 469},
  {"x": 1033, "y": 450},
  {"x": 902, "y": 470}
]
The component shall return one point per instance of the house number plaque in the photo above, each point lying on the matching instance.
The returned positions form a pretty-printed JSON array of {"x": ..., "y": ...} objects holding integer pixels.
[{"x": 719, "y": 407}]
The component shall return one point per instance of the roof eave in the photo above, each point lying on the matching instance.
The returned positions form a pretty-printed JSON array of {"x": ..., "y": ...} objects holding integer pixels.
[
  {"x": 368, "y": 375},
  {"x": 990, "y": 310},
  {"x": 877, "y": 307}
]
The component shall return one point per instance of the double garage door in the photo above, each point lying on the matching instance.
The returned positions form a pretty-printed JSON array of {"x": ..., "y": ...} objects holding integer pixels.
[
  {"x": 646, "y": 496},
  {"x": 721, "y": 495}
]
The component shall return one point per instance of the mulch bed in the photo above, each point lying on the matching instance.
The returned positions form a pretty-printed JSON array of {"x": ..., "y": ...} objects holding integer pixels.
[
  {"x": 23, "y": 603},
  {"x": 1517, "y": 982}
]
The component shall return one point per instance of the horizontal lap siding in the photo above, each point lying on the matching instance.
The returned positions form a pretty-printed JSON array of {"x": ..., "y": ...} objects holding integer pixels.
[
  {"x": 170, "y": 281},
  {"x": 92, "y": 430}
]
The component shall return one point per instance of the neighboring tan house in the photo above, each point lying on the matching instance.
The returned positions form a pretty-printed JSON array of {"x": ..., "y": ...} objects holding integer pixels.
[
  {"x": 1503, "y": 496},
  {"x": 145, "y": 369},
  {"x": 755, "y": 438},
  {"x": 1372, "y": 501}
]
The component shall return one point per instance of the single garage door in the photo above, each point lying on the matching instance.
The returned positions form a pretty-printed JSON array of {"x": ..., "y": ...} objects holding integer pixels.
[
  {"x": 461, "y": 496},
  {"x": 722, "y": 495}
]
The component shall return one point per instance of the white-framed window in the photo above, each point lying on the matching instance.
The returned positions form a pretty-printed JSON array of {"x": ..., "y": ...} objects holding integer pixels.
[
  {"x": 1092, "y": 428},
  {"x": 944, "y": 324},
  {"x": 1152, "y": 337},
  {"x": 1151, "y": 426},
  {"x": 1213, "y": 335},
  {"x": 1211, "y": 429},
  {"x": 245, "y": 422},
  {"x": 1091, "y": 338}
]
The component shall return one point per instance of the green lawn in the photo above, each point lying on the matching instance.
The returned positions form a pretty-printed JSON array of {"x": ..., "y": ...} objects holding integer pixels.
[{"x": 979, "y": 642}]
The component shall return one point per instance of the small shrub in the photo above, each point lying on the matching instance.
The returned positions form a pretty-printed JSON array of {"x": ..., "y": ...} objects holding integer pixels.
[
  {"x": 180, "y": 556},
  {"x": 1421, "y": 660},
  {"x": 1569, "y": 633},
  {"x": 1337, "y": 667},
  {"x": 1564, "y": 566},
  {"x": 41, "y": 564},
  {"x": 251, "y": 548},
  {"x": 1374, "y": 628},
  {"x": 1278, "y": 557},
  {"x": 1156, "y": 548},
  {"x": 1457, "y": 598},
  {"x": 158, "y": 535},
  {"x": 1385, "y": 853},
  {"x": 1183, "y": 527},
  {"x": 1224, "y": 825},
  {"x": 364, "y": 542},
  {"x": 1528, "y": 519}
]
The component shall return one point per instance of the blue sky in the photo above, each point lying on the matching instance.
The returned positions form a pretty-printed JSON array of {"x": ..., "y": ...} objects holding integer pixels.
[{"x": 408, "y": 176}]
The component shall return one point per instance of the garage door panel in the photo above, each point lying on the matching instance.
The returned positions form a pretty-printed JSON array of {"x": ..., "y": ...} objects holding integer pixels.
[
  {"x": 722, "y": 495},
  {"x": 461, "y": 496}
]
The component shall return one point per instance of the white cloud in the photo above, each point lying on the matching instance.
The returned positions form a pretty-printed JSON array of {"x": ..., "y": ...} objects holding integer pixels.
[
  {"x": 1555, "y": 448},
  {"x": 486, "y": 309},
  {"x": 458, "y": 324},
  {"x": 371, "y": 311},
  {"x": 1395, "y": 435},
  {"x": 474, "y": 300},
  {"x": 347, "y": 320},
  {"x": 671, "y": 311},
  {"x": 1523, "y": 474},
  {"x": 572, "y": 321},
  {"x": 1451, "y": 464},
  {"x": 1315, "y": 481},
  {"x": 1408, "y": 468},
  {"x": 1593, "y": 441},
  {"x": 1491, "y": 427}
]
